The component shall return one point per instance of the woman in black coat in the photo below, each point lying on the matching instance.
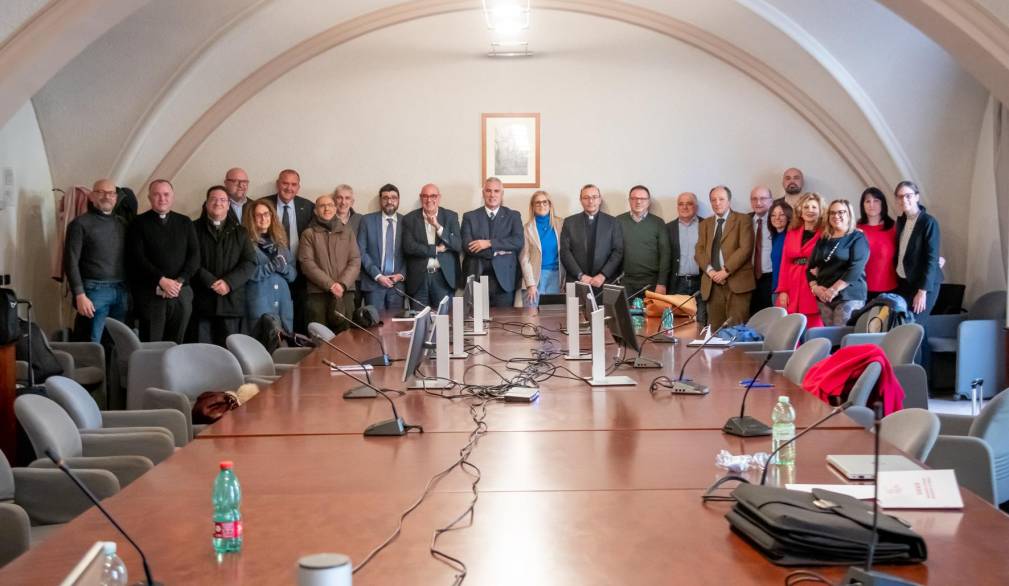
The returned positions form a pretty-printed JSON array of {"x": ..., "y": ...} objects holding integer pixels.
[{"x": 918, "y": 272}]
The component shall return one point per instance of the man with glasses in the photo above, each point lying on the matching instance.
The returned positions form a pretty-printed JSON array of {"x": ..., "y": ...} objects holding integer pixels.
[
  {"x": 760, "y": 203},
  {"x": 684, "y": 274},
  {"x": 380, "y": 240},
  {"x": 646, "y": 245},
  {"x": 592, "y": 243},
  {"x": 431, "y": 245},
  {"x": 236, "y": 183}
]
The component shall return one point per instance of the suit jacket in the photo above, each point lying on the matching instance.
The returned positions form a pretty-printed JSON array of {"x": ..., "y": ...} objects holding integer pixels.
[
  {"x": 369, "y": 241},
  {"x": 417, "y": 251},
  {"x": 608, "y": 256},
  {"x": 921, "y": 259},
  {"x": 674, "y": 244},
  {"x": 737, "y": 250},
  {"x": 531, "y": 258},
  {"x": 505, "y": 244},
  {"x": 304, "y": 210}
]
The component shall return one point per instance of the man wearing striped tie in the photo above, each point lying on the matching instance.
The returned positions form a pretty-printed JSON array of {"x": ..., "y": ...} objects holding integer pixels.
[{"x": 382, "y": 253}]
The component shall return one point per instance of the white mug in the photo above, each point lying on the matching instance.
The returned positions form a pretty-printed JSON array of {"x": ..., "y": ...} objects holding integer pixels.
[{"x": 325, "y": 569}]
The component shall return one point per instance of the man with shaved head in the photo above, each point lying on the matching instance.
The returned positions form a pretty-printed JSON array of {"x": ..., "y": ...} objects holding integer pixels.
[
  {"x": 236, "y": 184},
  {"x": 94, "y": 261},
  {"x": 331, "y": 262},
  {"x": 793, "y": 182},
  {"x": 431, "y": 245}
]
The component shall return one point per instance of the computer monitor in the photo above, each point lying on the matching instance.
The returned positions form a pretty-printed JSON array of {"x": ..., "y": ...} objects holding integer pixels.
[
  {"x": 415, "y": 354},
  {"x": 619, "y": 317},
  {"x": 587, "y": 300}
]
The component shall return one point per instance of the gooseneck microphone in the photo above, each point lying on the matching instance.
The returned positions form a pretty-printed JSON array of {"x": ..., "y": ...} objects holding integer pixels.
[
  {"x": 840, "y": 408},
  {"x": 382, "y": 360},
  {"x": 407, "y": 312},
  {"x": 394, "y": 426},
  {"x": 661, "y": 337},
  {"x": 691, "y": 388},
  {"x": 91, "y": 496},
  {"x": 361, "y": 392},
  {"x": 744, "y": 425}
]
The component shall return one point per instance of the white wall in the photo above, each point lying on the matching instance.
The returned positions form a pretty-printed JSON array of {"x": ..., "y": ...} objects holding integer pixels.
[
  {"x": 620, "y": 105},
  {"x": 28, "y": 220}
]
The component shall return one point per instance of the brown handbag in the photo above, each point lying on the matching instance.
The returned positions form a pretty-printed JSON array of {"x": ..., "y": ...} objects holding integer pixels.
[{"x": 212, "y": 405}]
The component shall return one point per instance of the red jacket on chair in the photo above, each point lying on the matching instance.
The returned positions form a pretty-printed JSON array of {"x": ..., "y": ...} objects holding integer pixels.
[{"x": 835, "y": 376}]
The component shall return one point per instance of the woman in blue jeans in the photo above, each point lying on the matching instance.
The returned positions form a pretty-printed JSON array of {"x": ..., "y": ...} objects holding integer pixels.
[
  {"x": 542, "y": 272},
  {"x": 268, "y": 290}
]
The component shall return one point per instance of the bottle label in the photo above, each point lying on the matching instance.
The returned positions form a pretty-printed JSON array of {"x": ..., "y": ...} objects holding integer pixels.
[{"x": 227, "y": 529}]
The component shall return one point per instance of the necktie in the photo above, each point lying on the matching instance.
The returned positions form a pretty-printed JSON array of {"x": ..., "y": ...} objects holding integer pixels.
[
  {"x": 388, "y": 262},
  {"x": 716, "y": 247},
  {"x": 758, "y": 249},
  {"x": 287, "y": 220}
]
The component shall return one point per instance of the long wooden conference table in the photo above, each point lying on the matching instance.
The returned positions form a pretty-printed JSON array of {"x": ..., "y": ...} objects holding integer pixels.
[{"x": 584, "y": 486}]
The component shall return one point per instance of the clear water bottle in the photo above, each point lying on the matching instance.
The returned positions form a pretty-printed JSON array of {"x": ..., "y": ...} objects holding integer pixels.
[
  {"x": 227, "y": 517},
  {"x": 113, "y": 568},
  {"x": 782, "y": 430}
]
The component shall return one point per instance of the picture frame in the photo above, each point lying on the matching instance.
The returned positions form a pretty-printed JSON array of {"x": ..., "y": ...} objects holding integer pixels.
[{"x": 511, "y": 149}]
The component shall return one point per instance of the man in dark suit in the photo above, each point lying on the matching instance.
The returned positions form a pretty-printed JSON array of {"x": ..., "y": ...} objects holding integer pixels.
[
  {"x": 760, "y": 203},
  {"x": 294, "y": 212},
  {"x": 725, "y": 254},
  {"x": 381, "y": 242},
  {"x": 431, "y": 247},
  {"x": 492, "y": 237},
  {"x": 684, "y": 274},
  {"x": 592, "y": 244}
]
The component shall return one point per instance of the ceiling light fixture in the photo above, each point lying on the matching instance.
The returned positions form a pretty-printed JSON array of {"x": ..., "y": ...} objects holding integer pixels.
[
  {"x": 510, "y": 49},
  {"x": 506, "y": 17}
]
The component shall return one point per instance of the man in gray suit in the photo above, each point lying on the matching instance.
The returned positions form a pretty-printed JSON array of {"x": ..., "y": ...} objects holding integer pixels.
[
  {"x": 381, "y": 242},
  {"x": 492, "y": 237},
  {"x": 431, "y": 247},
  {"x": 592, "y": 244}
]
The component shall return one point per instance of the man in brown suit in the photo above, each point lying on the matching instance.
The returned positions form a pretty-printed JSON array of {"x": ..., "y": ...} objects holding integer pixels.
[{"x": 725, "y": 254}]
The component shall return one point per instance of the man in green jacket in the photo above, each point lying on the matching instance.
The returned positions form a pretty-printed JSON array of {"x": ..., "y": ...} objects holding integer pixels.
[{"x": 646, "y": 245}]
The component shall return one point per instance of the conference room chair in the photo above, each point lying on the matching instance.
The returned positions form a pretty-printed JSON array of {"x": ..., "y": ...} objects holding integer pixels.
[
  {"x": 36, "y": 501},
  {"x": 85, "y": 414},
  {"x": 837, "y": 333},
  {"x": 975, "y": 341},
  {"x": 82, "y": 361},
  {"x": 125, "y": 342},
  {"x": 258, "y": 365},
  {"x": 145, "y": 372},
  {"x": 899, "y": 344},
  {"x": 49, "y": 427},
  {"x": 864, "y": 384},
  {"x": 781, "y": 338},
  {"x": 977, "y": 448},
  {"x": 189, "y": 370},
  {"x": 912, "y": 431},
  {"x": 315, "y": 329},
  {"x": 804, "y": 357},
  {"x": 761, "y": 321},
  {"x": 914, "y": 381}
]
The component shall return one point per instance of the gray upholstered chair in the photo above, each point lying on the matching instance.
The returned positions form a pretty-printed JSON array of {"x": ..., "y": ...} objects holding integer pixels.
[
  {"x": 257, "y": 364},
  {"x": 804, "y": 357},
  {"x": 82, "y": 361},
  {"x": 864, "y": 384},
  {"x": 834, "y": 334},
  {"x": 39, "y": 497},
  {"x": 978, "y": 449},
  {"x": 189, "y": 370},
  {"x": 977, "y": 340},
  {"x": 125, "y": 455},
  {"x": 320, "y": 330},
  {"x": 899, "y": 344},
  {"x": 145, "y": 372},
  {"x": 913, "y": 431},
  {"x": 914, "y": 381},
  {"x": 89, "y": 419},
  {"x": 761, "y": 321},
  {"x": 125, "y": 342},
  {"x": 781, "y": 338}
]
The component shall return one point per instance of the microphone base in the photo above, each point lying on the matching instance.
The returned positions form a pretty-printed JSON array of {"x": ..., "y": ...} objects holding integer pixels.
[
  {"x": 612, "y": 381},
  {"x": 642, "y": 362},
  {"x": 664, "y": 339},
  {"x": 745, "y": 426},
  {"x": 390, "y": 427},
  {"x": 361, "y": 392},
  {"x": 428, "y": 384},
  {"x": 582, "y": 356},
  {"x": 683, "y": 387},
  {"x": 860, "y": 577},
  {"x": 382, "y": 360}
]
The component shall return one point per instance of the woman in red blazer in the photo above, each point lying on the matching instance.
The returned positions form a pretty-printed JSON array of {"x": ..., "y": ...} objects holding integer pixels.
[{"x": 793, "y": 289}]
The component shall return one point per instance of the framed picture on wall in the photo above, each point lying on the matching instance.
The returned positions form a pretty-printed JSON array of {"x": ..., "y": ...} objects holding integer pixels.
[{"x": 511, "y": 148}]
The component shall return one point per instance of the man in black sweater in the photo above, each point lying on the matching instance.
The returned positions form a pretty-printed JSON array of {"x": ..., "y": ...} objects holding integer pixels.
[
  {"x": 94, "y": 263},
  {"x": 227, "y": 260},
  {"x": 164, "y": 256}
]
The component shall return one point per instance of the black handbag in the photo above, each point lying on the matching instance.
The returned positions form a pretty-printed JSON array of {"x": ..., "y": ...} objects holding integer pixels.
[{"x": 821, "y": 528}]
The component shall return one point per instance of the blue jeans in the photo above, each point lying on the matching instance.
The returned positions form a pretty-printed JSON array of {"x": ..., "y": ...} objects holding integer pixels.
[
  {"x": 109, "y": 299},
  {"x": 550, "y": 284}
]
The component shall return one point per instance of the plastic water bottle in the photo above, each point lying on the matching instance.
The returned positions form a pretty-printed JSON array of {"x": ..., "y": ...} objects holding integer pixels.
[
  {"x": 113, "y": 568},
  {"x": 227, "y": 518},
  {"x": 782, "y": 430}
]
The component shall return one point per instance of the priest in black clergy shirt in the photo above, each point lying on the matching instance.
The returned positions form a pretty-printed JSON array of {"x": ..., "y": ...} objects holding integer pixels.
[
  {"x": 492, "y": 237},
  {"x": 592, "y": 243},
  {"x": 163, "y": 256}
]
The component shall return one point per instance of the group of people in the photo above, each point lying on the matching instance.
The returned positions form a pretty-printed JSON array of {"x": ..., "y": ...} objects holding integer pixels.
[{"x": 305, "y": 261}]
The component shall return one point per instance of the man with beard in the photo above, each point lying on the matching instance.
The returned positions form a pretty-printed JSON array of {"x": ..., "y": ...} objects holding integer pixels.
[
  {"x": 793, "y": 183},
  {"x": 380, "y": 241}
]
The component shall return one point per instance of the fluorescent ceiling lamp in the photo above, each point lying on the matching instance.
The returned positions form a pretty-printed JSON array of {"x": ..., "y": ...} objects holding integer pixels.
[{"x": 506, "y": 16}]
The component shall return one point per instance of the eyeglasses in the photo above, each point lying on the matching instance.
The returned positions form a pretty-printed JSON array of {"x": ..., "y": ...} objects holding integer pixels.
[
  {"x": 639, "y": 199},
  {"x": 838, "y": 213},
  {"x": 907, "y": 195},
  {"x": 263, "y": 216}
]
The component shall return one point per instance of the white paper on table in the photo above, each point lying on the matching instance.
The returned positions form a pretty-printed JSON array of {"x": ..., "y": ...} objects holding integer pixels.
[
  {"x": 919, "y": 489},
  {"x": 352, "y": 368},
  {"x": 715, "y": 343}
]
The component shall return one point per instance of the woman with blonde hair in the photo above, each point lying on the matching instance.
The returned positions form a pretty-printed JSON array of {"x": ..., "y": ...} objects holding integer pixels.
[
  {"x": 794, "y": 294},
  {"x": 542, "y": 271},
  {"x": 836, "y": 270},
  {"x": 268, "y": 290}
]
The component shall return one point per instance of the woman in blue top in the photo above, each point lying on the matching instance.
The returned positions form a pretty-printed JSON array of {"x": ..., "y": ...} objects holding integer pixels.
[
  {"x": 268, "y": 291},
  {"x": 779, "y": 218},
  {"x": 542, "y": 272}
]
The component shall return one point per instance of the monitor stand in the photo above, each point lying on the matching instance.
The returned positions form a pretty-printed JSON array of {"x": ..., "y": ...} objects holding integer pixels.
[
  {"x": 441, "y": 368},
  {"x": 599, "y": 377}
]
